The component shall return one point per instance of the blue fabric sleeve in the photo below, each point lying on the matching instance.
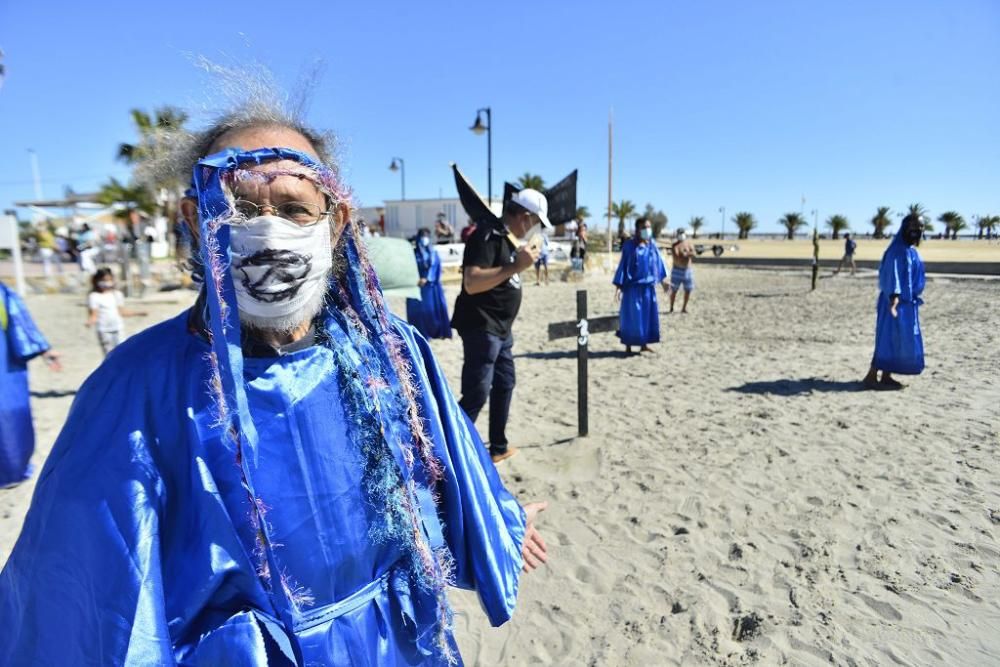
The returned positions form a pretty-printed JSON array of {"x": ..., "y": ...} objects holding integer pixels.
[
  {"x": 661, "y": 268},
  {"x": 83, "y": 585},
  {"x": 624, "y": 274},
  {"x": 25, "y": 341},
  {"x": 434, "y": 272},
  {"x": 484, "y": 524},
  {"x": 918, "y": 276}
]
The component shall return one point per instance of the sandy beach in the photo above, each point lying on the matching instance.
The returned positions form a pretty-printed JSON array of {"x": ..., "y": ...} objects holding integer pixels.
[{"x": 739, "y": 500}]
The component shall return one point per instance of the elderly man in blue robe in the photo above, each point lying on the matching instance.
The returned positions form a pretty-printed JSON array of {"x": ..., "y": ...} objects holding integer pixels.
[
  {"x": 20, "y": 342},
  {"x": 639, "y": 269},
  {"x": 278, "y": 476},
  {"x": 429, "y": 313},
  {"x": 899, "y": 343}
]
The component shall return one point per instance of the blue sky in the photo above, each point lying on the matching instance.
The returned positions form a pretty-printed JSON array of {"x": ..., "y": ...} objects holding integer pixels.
[{"x": 747, "y": 105}]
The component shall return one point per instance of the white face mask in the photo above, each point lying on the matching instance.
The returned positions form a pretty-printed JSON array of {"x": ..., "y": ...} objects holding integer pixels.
[
  {"x": 279, "y": 269},
  {"x": 532, "y": 232}
]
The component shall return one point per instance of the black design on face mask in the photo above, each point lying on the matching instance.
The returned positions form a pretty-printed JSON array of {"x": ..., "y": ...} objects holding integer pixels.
[{"x": 281, "y": 266}]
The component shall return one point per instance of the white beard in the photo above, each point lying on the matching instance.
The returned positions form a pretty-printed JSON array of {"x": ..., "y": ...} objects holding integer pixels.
[{"x": 283, "y": 324}]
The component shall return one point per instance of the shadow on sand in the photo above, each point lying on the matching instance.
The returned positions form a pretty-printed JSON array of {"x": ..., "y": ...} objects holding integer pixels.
[
  {"x": 554, "y": 443},
  {"x": 796, "y": 387},
  {"x": 54, "y": 393},
  {"x": 571, "y": 354}
]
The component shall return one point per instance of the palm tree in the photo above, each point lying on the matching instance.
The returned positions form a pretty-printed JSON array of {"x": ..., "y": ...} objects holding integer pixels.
[
  {"x": 696, "y": 223},
  {"x": 986, "y": 223},
  {"x": 623, "y": 210},
  {"x": 744, "y": 222},
  {"x": 132, "y": 197},
  {"x": 881, "y": 221},
  {"x": 153, "y": 131},
  {"x": 993, "y": 221},
  {"x": 792, "y": 222},
  {"x": 657, "y": 218},
  {"x": 156, "y": 134},
  {"x": 533, "y": 181},
  {"x": 953, "y": 222},
  {"x": 582, "y": 213},
  {"x": 837, "y": 224}
]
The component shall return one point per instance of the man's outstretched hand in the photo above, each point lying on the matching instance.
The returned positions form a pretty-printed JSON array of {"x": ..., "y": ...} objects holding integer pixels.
[{"x": 533, "y": 551}]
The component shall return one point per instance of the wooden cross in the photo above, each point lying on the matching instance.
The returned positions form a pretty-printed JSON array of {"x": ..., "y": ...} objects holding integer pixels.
[{"x": 581, "y": 329}]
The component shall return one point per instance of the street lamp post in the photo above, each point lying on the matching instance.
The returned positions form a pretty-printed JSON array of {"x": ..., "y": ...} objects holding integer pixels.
[
  {"x": 400, "y": 166},
  {"x": 479, "y": 128},
  {"x": 722, "y": 232}
]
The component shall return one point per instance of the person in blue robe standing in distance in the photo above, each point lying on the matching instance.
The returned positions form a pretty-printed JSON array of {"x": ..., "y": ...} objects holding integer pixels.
[
  {"x": 899, "y": 343},
  {"x": 429, "y": 313},
  {"x": 277, "y": 476},
  {"x": 639, "y": 270},
  {"x": 20, "y": 342}
]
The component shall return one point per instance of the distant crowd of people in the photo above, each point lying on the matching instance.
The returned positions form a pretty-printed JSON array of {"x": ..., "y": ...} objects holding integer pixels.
[{"x": 87, "y": 247}]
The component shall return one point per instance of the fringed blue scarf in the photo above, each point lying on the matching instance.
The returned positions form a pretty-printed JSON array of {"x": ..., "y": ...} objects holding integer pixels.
[{"x": 400, "y": 470}]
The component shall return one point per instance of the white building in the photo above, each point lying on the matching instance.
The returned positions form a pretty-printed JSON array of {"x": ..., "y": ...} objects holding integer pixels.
[{"x": 403, "y": 217}]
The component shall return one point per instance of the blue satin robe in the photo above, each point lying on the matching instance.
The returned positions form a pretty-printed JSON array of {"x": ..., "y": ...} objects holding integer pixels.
[
  {"x": 640, "y": 269},
  {"x": 137, "y": 549},
  {"x": 899, "y": 345},
  {"x": 429, "y": 313},
  {"x": 20, "y": 341}
]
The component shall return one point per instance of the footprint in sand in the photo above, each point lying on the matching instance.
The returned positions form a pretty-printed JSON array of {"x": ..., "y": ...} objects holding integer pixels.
[{"x": 883, "y": 609}]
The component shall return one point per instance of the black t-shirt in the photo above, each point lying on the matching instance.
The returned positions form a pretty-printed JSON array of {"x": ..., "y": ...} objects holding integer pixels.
[{"x": 493, "y": 310}]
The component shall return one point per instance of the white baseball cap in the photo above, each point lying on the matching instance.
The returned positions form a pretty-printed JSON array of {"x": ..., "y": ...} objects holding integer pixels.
[{"x": 535, "y": 202}]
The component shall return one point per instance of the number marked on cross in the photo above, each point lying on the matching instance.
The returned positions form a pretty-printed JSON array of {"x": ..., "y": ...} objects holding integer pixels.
[{"x": 581, "y": 328}]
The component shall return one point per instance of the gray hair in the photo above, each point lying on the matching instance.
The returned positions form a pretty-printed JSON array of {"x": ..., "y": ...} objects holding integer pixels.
[{"x": 254, "y": 100}]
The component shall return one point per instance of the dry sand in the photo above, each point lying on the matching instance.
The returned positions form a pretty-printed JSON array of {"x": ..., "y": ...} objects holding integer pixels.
[
  {"x": 931, "y": 250},
  {"x": 738, "y": 500}
]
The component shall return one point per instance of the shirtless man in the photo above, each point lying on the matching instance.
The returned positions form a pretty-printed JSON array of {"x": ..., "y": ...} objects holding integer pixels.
[{"x": 683, "y": 254}]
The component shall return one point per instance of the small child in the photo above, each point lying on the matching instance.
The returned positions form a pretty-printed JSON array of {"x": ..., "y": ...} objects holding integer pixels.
[{"x": 105, "y": 305}]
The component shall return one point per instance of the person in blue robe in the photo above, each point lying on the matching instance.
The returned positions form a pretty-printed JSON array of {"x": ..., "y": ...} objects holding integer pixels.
[
  {"x": 899, "y": 344},
  {"x": 639, "y": 269},
  {"x": 20, "y": 342},
  {"x": 232, "y": 488},
  {"x": 429, "y": 313}
]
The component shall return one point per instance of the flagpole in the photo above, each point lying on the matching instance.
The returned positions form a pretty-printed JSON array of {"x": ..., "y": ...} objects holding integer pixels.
[{"x": 610, "y": 148}]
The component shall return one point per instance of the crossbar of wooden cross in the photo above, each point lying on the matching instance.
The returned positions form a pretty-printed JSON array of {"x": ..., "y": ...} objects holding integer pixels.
[{"x": 581, "y": 329}]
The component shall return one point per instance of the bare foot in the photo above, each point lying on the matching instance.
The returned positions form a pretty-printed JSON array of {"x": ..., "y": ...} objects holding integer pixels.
[
  {"x": 503, "y": 456},
  {"x": 645, "y": 348}
]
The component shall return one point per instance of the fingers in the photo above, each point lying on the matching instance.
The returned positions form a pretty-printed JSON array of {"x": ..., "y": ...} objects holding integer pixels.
[
  {"x": 531, "y": 510},
  {"x": 534, "y": 551}
]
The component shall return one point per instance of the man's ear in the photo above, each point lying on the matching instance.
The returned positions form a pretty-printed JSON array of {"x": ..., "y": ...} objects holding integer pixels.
[
  {"x": 341, "y": 216},
  {"x": 189, "y": 211}
]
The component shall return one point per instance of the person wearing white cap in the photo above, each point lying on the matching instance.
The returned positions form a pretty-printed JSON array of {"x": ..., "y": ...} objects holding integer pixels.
[
  {"x": 681, "y": 275},
  {"x": 495, "y": 255}
]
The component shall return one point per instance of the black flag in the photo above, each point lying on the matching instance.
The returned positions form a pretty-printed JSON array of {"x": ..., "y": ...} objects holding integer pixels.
[
  {"x": 473, "y": 204},
  {"x": 561, "y": 198}
]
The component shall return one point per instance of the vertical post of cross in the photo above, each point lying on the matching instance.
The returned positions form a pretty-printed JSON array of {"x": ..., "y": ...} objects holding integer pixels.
[{"x": 581, "y": 362}]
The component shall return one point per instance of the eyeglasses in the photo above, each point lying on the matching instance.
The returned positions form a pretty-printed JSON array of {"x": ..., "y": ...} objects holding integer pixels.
[{"x": 304, "y": 214}]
